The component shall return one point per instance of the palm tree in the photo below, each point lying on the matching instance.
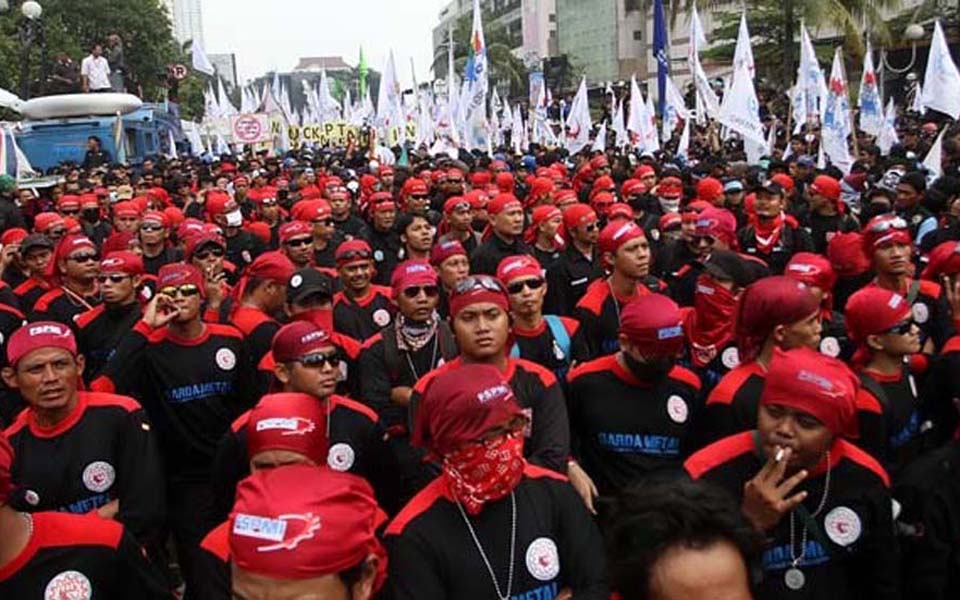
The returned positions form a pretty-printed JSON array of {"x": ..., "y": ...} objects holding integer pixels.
[{"x": 503, "y": 65}]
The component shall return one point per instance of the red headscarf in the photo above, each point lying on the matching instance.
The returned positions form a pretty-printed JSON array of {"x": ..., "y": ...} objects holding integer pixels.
[{"x": 763, "y": 305}]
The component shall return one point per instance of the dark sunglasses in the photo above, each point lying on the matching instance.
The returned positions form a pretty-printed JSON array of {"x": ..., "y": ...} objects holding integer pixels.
[
  {"x": 479, "y": 282},
  {"x": 700, "y": 239},
  {"x": 57, "y": 233},
  {"x": 354, "y": 255},
  {"x": 590, "y": 227},
  {"x": 419, "y": 197},
  {"x": 319, "y": 359},
  {"x": 82, "y": 258},
  {"x": 151, "y": 227},
  {"x": 205, "y": 254},
  {"x": 186, "y": 290},
  {"x": 888, "y": 224},
  {"x": 532, "y": 284},
  {"x": 412, "y": 292},
  {"x": 299, "y": 242},
  {"x": 71, "y": 213},
  {"x": 902, "y": 328},
  {"x": 112, "y": 278}
]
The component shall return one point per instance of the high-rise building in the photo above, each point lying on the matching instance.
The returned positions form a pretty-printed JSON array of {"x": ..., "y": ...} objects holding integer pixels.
[
  {"x": 604, "y": 38},
  {"x": 226, "y": 67},
  {"x": 186, "y": 19},
  {"x": 531, "y": 26}
]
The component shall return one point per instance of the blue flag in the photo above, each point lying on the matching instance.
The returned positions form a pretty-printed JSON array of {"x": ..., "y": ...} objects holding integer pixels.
[{"x": 660, "y": 52}]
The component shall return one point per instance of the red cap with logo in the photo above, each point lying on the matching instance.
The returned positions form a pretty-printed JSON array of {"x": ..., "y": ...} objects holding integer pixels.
[
  {"x": 461, "y": 404},
  {"x": 126, "y": 209},
  {"x": 719, "y": 223},
  {"x": 37, "y": 335},
  {"x": 818, "y": 385},
  {"x": 826, "y": 186},
  {"x": 46, "y": 221},
  {"x": 297, "y": 339},
  {"x": 874, "y": 310},
  {"x": 311, "y": 210},
  {"x": 615, "y": 235},
  {"x": 813, "y": 270},
  {"x": 443, "y": 250},
  {"x": 654, "y": 323},
  {"x": 412, "y": 273},
  {"x": 303, "y": 522},
  {"x": 69, "y": 202},
  {"x": 503, "y": 202},
  {"x": 352, "y": 251},
  {"x": 520, "y": 266},
  {"x": 123, "y": 261},
  {"x": 177, "y": 274},
  {"x": 632, "y": 187},
  {"x": 294, "y": 229},
  {"x": 414, "y": 186},
  {"x": 89, "y": 201},
  {"x": 291, "y": 422}
]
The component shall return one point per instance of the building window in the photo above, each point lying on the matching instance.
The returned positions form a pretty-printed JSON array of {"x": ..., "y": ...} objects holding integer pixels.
[
  {"x": 631, "y": 5},
  {"x": 638, "y": 35},
  {"x": 552, "y": 18}
]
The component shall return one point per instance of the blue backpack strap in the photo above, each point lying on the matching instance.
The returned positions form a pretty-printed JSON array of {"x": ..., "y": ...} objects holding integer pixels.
[
  {"x": 515, "y": 351},
  {"x": 559, "y": 333}
]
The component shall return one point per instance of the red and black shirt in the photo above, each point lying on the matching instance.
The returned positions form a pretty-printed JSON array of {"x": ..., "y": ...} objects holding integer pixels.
[
  {"x": 103, "y": 450},
  {"x": 362, "y": 318},
  {"x": 432, "y": 554},
  {"x": 80, "y": 556},
  {"x": 99, "y": 330},
  {"x": 258, "y": 329}
]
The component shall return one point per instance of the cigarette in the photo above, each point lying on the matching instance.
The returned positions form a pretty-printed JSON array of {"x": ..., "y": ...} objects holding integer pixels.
[{"x": 779, "y": 455}]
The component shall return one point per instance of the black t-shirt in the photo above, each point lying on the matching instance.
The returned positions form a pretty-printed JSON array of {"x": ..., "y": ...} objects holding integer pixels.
[{"x": 432, "y": 555}]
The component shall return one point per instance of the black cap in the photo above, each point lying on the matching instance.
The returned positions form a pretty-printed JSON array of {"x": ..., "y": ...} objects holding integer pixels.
[
  {"x": 307, "y": 282},
  {"x": 35, "y": 240},
  {"x": 772, "y": 187}
]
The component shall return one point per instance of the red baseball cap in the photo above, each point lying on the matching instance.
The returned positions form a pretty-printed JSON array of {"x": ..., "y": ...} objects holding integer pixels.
[
  {"x": 288, "y": 421},
  {"x": 123, "y": 261},
  {"x": 826, "y": 186},
  {"x": 818, "y": 385},
  {"x": 311, "y": 210},
  {"x": 412, "y": 273},
  {"x": 46, "y": 221},
  {"x": 874, "y": 310},
  {"x": 14, "y": 235},
  {"x": 710, "y": 189},
  {"x": 654, "y": 323},
  {"x": 461, "y": 404},
  {"x": 302, "y": 522},
  {"x": 176, "y": 274},
  {"x": 298, "y": 339},
  {"x": 812, "y": 269},
  {"x": 37, "y": 335}
]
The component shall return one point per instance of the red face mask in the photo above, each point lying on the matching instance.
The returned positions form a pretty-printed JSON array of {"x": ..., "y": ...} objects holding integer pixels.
[
  {"x": 481, "y": 472},
  {"x": 321, "y": 317},
  {"x": 715, "y": 306}
]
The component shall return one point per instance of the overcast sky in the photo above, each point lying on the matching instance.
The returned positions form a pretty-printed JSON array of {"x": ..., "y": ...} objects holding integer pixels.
[{"x": 273, "y": 34}]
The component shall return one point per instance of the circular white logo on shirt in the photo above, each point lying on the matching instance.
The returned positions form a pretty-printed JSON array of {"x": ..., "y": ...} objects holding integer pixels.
[
  {"x": 146, "y": 293},
  {"x": 920, "y": 312},
  {"x": 842, "y": 525},
  {"x": 655, "y": 234},
  {"x": 381, "y": 317},
  {"x": 677, "y": 409},
  {"x": 245, "y": 255},
  {"x": 830, "y": 347},
  {"x": 296, "y": 281},
  {"x": 98, "y": 476},
  {"x": 226, "y": 359},
  {"x": 344, "y": 371},
  {"x": 69, "y": 585},
  {"x": 543, "y": 560},
  {"x": 340, "y": 457},
  {"x": 31, "y": 497},
  {"x": 378, "y": 255},
  {"x": 730, "y": 358}
]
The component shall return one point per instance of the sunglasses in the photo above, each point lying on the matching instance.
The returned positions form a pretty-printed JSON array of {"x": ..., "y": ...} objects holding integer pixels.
[
  {"x": 70, "y": 213},
  {"x": 455, "y": 181},
  {"x": 299, "y": 242},
  {"x": 479, "y": 282},
  {"x": 327, "y": 222},
  {"x": 151, "y": 227},
  {"x": 112, "y": 278},
  {"x": 902, "y": 328},
  {"x": 888, "y": 224},
  {"x": 319, "y": 359},
  {"x": 412, "y": 292},
  {"x": 353, "y": 255},
  {"x": 186, "y": 290},
  {"x": 419, "y": 197},
  {"x": 205, "y": 254},
  {"x": 590, "y": 227},
  {"x": 82, "y": 258},
  {"x": 268, "y": 202},
  {"x": 519, "y": 286},
  {"x": 57, "y": 233},
  {"x": 703, "y": 239}
]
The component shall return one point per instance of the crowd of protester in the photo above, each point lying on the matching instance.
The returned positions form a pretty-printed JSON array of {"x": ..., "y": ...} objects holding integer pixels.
[{"x": 335, "y": 374}]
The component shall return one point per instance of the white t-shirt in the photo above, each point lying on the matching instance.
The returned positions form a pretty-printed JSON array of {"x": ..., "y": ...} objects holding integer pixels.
[{"x": 97, "y": 71}]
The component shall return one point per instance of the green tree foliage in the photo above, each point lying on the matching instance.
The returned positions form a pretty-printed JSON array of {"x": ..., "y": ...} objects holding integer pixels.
[
  {"x": 503, "y": 65},
  {"x": 71, "y": 26}
]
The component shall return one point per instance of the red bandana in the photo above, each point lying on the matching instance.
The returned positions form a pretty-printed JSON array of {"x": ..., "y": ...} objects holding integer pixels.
[
  {"x": 714, "y": 306},
  {"x": 767, "y": 233},
  {"x": 480, "y": 472}
]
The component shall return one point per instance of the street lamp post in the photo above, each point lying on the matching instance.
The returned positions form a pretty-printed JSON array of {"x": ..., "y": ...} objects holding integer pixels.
[
  {"x": 30, "y": 30},
  {"x": 913, "y": 33}
]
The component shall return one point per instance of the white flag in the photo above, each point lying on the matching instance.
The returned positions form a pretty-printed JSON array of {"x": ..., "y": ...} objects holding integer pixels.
[
  {"x": 577, "y": 133},
  {"x": 600, "y": 142},
  {"x": 683, "y": 148},
  {"x": 888, "y": 133},
  {"x": 871, "y": 106},
  {"x": 389, "y": 112},
  {"x": 810, "y": 77},
  {"x": 200, "y": 61},
  {"x": 836, "y": 118},
  {"x": 941, "y": 83},
  {"x": 227, "y": 109},
  {"x": 707, "y": 102},
  {"x": 674, "y": 110},
  {"x": 651, "y": 136},
  {"x": 772, "y": 138},
  {"x": 517, "y": 135},
  {"x": 743, "y": 53},
  {"x": 740, "y": 110},
  {"x": 211, "y": 107},
  {"x": 172, "y": 145},
  {"x": 798, "y": 107},
  {"x": 916, "y": 105},
  {"x": 934, "y": 160},
  {"x": 619, "y": 127}
]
